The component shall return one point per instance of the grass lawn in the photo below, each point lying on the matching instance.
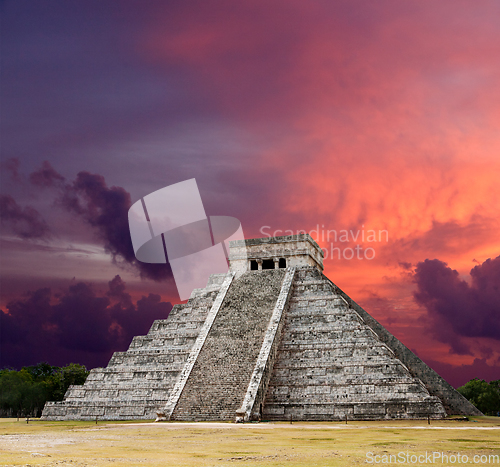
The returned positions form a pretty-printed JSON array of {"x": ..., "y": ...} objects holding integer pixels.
[{"x": 255, "y": 444}]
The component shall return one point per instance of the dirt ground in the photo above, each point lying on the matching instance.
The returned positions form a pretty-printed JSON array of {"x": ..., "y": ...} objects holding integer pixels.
[{"x": 255, "y": 444}]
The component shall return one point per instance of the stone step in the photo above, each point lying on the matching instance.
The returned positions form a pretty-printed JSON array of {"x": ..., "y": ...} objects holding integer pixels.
[
  {"x": 326, "y": 327},
  {"x": 174, "y": 327},
  {"x": 342, "y": 338},
  {"x": 131, "y": 384},
  {"x": 304, "y": 309},
  {"x": 374, "y": 387},
  {"x": 328, "y": 351},
  {"x": 125, "y": 394},
  {"x": 133, "y": 371},
  {"x": 321, "y": 317},
  {"x": 108, "y": 410},
  {"x": 431, "y": 407},
  {"x": 154, "y": 360},
  {"x": 369, "y": 363},
  {"x": 175, "y": 337},
  {"x": 173, "y": 350},
  {"x": 305, "y": 379}
]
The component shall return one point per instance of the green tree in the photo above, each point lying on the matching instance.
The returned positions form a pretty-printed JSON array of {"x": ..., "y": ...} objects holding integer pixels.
[
  {"x": 42, "y": 371},
  {"x": 20, "y": 394},
  {"x": 485, "y": 396},
  {"x": 69, "y": 375},
  {"x": 24, "y": 392}
]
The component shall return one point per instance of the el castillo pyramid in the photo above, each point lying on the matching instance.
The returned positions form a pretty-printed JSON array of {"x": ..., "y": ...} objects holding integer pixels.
[{"x": 272, "y": 339}]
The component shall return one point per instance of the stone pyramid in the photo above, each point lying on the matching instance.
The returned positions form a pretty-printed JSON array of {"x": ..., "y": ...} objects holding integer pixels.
[{"x": 272, "y": 339}]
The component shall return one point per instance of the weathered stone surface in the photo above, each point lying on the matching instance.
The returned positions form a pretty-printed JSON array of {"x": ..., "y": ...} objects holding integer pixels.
[
  {"x": 220, "y": 377},
  {"x": 452, "y": 400},
  {"x": 251, "y": 408},
  {"x": 295, "y": 251},
  {"x": 331, "y": 365},
  {"x": 298, "y": 347}
]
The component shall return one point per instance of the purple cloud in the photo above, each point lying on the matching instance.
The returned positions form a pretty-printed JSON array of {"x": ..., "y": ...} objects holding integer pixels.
[
  {"x": 102, "y": 207},
  {"x": 456, "y": 308},
  {"x": 76, "y": 325},
  {"x": 106, "y": 209},
  {"x": 46, "y": 176},
  {"x": 24, "y": 222}
]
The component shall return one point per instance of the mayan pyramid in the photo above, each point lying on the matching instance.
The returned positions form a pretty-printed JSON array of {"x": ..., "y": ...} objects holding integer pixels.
[{"x": 272, "y": 339}]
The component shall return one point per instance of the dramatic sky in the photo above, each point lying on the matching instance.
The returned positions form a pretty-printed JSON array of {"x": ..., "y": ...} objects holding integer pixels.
[{"x": 361, "y": 116}]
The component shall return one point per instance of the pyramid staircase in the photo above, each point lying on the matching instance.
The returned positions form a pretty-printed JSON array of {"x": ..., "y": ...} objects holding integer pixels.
[{"x": 220, "y": 377}]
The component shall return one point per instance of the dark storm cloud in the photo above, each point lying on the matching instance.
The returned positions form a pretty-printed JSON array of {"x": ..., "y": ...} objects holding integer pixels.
[
  {"x": 106, "y": 209},
  {"x": 25, "y": 222},
  {"x": 46, "y": 176},
  {"x": 76, "y": 325},
  {"x": 456, "y": 308},
  {"x": 103, "y": 208}
]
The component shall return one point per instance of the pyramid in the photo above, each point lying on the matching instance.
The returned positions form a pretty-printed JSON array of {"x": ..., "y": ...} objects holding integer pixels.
[{"x": 272, "y": 339}]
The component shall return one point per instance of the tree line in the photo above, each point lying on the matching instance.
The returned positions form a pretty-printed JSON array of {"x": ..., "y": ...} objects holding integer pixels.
[{"x": 23, "y": 393}]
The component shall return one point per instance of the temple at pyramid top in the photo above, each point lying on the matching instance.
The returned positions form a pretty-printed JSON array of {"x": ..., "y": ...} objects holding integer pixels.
[{"x": 275, "y": 253}]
